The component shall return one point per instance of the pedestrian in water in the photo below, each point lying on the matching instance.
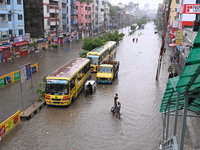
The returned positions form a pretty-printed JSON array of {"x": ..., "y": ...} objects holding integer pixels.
[
  {"x": 171, "y": 75},
  {"x": 133, "y": 39},
  {"x": 115, "y": 99},
  {"x": 171, "y": 59},
  {"x": 68, "y": 42},
  {"x": 136, "y": 39}
]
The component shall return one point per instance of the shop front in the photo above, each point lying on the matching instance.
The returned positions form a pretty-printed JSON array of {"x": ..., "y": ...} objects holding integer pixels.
[
  {"x": 20, "y": 48},
  {"x": 5, "y": 52}
]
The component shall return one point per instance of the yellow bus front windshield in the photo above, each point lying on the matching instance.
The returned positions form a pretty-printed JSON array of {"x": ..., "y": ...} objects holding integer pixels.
[
  {"x": 57, "y": 87},
  {"x": 94, "y": 60}
]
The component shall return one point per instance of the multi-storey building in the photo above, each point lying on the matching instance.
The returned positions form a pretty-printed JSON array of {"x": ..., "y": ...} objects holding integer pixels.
[
  {"x": 73, "y": 15},
  {"x": 102, "y": 15},
  {"x": 34, "y": 18},
  {"x": 12, "y": 29},
  {"x": 85, "y": 20}
]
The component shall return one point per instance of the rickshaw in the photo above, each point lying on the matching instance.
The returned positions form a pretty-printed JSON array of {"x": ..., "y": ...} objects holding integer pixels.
[{"x": 87, "y": 88}]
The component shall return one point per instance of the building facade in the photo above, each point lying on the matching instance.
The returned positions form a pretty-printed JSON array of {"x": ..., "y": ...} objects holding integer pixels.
[{"x": 13, "y": 41}]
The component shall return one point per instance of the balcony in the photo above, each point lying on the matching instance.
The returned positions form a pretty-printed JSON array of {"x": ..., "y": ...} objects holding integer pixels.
[
  {"x": 73, "y": 2},
  {"x": 64, "y": 10},
  {"x": 73, "y": 12},
  {"x": 3, "y": 24},
  {"x": 73, "y": 21},
  {"x": 64, "y": 22},
  {"x": 2, "y": 5},
  {"x": 54, "y": 10}
]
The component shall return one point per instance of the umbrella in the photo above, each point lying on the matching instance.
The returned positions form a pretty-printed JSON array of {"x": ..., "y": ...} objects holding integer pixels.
[{"x": 172, "y": 45}]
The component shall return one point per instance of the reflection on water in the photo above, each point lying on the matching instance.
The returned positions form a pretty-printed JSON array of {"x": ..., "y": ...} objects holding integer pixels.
[{"x": 88, "y": 123}]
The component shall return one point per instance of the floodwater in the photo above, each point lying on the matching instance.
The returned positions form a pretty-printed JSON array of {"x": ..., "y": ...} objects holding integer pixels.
[{"x": 88, "y": 123}]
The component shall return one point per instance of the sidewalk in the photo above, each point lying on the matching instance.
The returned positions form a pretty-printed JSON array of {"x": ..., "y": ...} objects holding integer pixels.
[{"x": 192, "y": 134}]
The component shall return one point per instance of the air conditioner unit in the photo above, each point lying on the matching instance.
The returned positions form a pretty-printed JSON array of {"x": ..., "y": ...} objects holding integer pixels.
[
  {"x": 13, "y": 35},
  {"x": 11, "y": 11},
  {"x": 10, "y": 35}
]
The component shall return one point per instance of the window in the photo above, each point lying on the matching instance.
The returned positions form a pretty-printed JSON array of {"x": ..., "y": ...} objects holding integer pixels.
[
  {"x": 85, "y": 16},
  {"x": 20, "y": 32},
  {"x": 2, "y": 17},
  {"x": 177, "y": 1},
  {"x": 76, "y": 7},
  {"x": 72, "y": 83},
  {"x": 10, "y": 31},
  {"x": 9, "y": 17},
  {"x": 19, "y": 17},
  {"x": 48, "y": 22},
  {"x": 47, "y": 9},
  {"x": 85, "y": 7},
  {"x": 197, "y": 16},
  {"x": 197, "y": 1},
  {"x": 8, "y": 2},
  {"x": 19, "y": 2}
]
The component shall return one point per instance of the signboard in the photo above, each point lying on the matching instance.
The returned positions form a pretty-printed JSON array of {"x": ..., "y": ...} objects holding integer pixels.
[
  {"x": 175, "y": 24},
  {"x": 179, "y": 37},
  {"x": 191, "y": 9},
  {"x": 25, "y": 73}
]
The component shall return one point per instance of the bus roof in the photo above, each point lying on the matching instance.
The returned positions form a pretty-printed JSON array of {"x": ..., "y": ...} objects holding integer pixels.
[
  {"x": 69, "y": 69},
  {"x": 97, "y": 50},
  {"x": 110, "y": 43}
]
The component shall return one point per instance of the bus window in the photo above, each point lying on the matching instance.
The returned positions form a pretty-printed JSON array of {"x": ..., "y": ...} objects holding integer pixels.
[
  {"x": 72, "y": 83},
  {"x": 80, "y": 74}
]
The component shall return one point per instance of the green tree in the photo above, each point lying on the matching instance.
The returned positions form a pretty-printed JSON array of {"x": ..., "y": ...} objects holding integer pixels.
[{"x": 91, "y": 43}]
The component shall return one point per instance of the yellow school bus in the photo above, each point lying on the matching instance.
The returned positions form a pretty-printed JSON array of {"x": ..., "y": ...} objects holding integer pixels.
[
  {"x": 112, "y": 48},
  {"x": 100, "y": 54},
  {"x": 65, "y": 84}
]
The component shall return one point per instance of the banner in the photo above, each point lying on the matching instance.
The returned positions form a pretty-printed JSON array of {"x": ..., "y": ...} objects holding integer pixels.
[
  {"x": 9, "y": 123},
  {"x": 25, "y": 73}
]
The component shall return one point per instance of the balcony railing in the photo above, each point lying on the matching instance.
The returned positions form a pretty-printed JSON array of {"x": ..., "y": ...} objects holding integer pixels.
[
  {"x": 73, "y": 21},
  {"x": 170, "y": 144},
  {"x": 4, "y": 24},
  {"x": 2, "y": 5},
  {"x": 73, "y": 12},
  {"x": 64, "y": 10},
  {"x": 73, "y": 2}
]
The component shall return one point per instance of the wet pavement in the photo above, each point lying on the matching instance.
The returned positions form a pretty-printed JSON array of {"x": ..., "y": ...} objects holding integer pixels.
[{"x": 88, "y": 123}]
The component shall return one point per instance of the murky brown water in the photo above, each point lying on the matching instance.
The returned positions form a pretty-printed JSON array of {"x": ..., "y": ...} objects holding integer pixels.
[{"x": 88, "y": 124}]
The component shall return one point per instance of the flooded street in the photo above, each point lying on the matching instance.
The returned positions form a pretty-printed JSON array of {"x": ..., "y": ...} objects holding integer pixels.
[{"x": 88, "y": 123}]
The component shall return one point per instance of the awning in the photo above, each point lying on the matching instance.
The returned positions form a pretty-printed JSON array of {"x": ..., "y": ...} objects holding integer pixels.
[
  {"x": 172, "y": 45},
  {"x": 188, "y": 83},
  {"x": 5, "y": 46},
  {"x": 20, "y": 43}
]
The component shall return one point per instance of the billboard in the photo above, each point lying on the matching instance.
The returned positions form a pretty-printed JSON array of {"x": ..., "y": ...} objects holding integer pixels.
[{"x": 25, "y": 73}]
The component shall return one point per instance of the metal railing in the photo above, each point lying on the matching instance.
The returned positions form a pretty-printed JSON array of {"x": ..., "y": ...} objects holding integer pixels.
[{"x": 170, "y": 144}]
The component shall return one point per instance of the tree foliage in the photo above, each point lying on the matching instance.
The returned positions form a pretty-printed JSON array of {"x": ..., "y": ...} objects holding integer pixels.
[
  {"x": 143, "y": 20},
  {"x": 91, "y": 43},
  {"x": 85, "y": 1}
]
